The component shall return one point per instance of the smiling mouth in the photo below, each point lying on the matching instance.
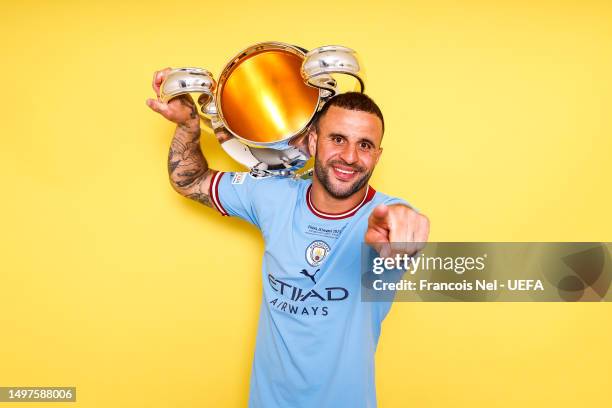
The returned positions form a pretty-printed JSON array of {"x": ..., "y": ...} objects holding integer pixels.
[
  {"x": 344, "y": 171},
  {"x": 344, "y": 174}
]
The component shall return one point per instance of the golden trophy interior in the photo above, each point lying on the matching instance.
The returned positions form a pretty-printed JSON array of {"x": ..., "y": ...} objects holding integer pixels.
[{"x": 263, "y": 97}]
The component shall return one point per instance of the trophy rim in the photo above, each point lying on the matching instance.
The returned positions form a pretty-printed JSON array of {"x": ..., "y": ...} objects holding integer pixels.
[{"x": 241, "y": 56}]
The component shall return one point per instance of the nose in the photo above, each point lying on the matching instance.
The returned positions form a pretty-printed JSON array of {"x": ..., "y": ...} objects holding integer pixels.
[{"x": 349, "y": 153}]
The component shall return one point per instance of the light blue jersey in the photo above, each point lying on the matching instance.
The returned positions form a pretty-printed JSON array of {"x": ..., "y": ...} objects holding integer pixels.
[{"x": 316, "y": 338}]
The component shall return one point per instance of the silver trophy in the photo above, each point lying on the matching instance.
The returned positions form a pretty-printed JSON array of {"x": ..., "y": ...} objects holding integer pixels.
[{"x": 265, "y": 100}]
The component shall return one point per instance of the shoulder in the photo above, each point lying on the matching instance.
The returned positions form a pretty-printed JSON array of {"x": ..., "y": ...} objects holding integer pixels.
[
  {"x": 382, "y": 198},
  {"x": 255, "y": 199},
  {"x": 246, "y": 179},
  {"x": 257, "y": 188}
]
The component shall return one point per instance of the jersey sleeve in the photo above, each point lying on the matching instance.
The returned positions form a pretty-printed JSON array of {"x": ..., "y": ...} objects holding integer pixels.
[{"x": 240, "y": 195}]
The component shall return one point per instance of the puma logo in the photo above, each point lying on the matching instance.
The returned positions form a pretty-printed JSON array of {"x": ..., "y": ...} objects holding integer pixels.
[{"x": 305, "y": 273}]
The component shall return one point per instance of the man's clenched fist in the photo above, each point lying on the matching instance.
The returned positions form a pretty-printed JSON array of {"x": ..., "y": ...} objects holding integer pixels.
[
  {"x": 400, "y": 225},
  {"x": 179, "y": 110}
]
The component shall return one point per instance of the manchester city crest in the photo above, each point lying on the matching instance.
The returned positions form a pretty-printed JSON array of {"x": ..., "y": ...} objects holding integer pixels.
[{"x": 316, "y": 253}]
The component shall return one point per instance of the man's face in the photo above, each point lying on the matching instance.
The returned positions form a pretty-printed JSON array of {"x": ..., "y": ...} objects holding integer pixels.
[{"x": 346, "y": 149}]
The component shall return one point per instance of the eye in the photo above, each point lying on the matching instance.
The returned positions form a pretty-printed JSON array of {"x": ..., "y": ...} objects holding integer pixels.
[
  {"x": 365, "y": 146},
  {"x": 337, "y": 139}
]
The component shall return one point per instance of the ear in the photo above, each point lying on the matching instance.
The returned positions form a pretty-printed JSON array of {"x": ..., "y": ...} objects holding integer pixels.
[{"x": 312, "y": 141}]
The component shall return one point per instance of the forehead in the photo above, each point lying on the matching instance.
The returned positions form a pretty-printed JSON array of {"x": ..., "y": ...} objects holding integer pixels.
[{"x": 351, "y": 123}]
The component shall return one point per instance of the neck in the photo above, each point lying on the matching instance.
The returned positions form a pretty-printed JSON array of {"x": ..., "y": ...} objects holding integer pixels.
[{"x": 325, "y": 202}]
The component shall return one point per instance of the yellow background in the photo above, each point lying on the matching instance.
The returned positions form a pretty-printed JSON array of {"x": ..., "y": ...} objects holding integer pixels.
[{"x": 498, "y": 128}]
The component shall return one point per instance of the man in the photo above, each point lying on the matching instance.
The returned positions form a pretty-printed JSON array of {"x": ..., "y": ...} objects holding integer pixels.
[{"x": 316, "y": 340}]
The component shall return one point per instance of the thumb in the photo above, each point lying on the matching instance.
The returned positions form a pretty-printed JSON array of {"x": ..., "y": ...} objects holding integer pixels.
[
  {"x": 157, "y": 106},
  {"x": 378, "y": 217}
]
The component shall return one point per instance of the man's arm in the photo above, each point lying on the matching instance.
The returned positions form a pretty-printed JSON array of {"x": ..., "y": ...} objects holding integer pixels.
[{"x": 188, "y": 169}]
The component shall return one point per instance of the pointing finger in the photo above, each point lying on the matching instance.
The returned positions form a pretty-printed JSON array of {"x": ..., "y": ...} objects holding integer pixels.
[{"x": 379, "y": 216}]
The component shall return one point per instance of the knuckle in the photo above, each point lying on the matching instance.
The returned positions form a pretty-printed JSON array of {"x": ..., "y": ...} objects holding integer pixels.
[{"x": 425, "y": 219}]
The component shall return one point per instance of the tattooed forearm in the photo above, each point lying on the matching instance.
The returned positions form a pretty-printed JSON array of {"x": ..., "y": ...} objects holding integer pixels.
[
  {"x": 187, "y": 166},
  {"x": 201, "y": 198}
]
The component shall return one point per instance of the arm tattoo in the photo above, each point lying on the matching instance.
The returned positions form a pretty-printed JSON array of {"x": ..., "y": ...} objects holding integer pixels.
[
  {"x": 187, "y": 166},
  {"x": 201, "y": 198},
  {"x": 189, "y": 104}
]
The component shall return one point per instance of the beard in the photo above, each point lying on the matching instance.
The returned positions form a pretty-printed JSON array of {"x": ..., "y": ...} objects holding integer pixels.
[{"x": 340, "y": 190}]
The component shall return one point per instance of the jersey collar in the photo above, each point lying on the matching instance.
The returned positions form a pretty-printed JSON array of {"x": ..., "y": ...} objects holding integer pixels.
[{"x": 332, "y": 216}]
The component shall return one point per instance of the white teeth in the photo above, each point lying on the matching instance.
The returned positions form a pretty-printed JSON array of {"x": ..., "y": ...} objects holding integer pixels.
[{"x": 344, "y": 171}]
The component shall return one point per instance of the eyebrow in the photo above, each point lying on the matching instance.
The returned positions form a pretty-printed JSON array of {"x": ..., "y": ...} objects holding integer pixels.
[{"x": 363, "y": 139}]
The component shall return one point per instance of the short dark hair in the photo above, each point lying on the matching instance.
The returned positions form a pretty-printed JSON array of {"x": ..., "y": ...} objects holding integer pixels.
[{"x": 352, "y": 101}]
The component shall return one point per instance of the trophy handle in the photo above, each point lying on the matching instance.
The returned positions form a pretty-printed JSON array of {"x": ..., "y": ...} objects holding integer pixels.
[
  {"x": 320, "y": 63},
  {"x": 198, "y": 83}
]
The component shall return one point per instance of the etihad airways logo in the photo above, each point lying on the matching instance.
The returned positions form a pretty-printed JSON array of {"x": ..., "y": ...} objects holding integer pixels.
[
  {"x": 299, "y": 295},
  {"x": 329, "y": 294}
]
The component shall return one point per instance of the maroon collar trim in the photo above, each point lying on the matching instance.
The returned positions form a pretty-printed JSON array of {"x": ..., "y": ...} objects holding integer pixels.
[{"x": 330, "y": 216}]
